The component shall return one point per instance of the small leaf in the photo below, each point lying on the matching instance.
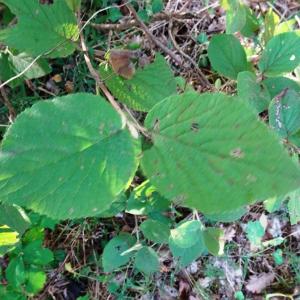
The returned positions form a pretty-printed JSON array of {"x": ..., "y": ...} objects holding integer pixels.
[
  {"x": 256, "y": 94},
  {"x": 294, "y": 207},
  {"x": 281, "y": 54},
  {"x": 284, "y": 113},
  {"x": 11, "y": 65},
  {"x": 67, "y": 158},
  {"x": 213, "y": 239},
  {"x": 59, "y": 28},
  {"x": 186, "y": 234},
  {"x": 148, "y": 86},
  {"x": 146, "y": 261},
  {"x": 235, "y": 16},
  {"x": 14, "y": 217},
  {"x": 273, "y": 204},
  {"x": 113, "y": 255},
  {"x": 210, "y": 152},
  {"x": 186, "y": 256},
  {"x": 157, "y": 6},
  {"x": 35, "y": 254},
  {"x": 15, "y": 272},
  {"x": 255, "y": 231},
  {"x": 35, "y": 280},
  {"x": 251, "y": 26},
  {"x": 271, "y": 21},
  {"x": 277, "y": 255},
  {"x": 227, "y": 55},
  {"x": 155, "y": 231},
  {"x": 8, "y": 239},
  {"x": 276, "y": 85}
]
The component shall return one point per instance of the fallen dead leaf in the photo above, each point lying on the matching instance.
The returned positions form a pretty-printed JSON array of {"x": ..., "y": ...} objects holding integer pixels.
[{"x": 256, "y": 284}]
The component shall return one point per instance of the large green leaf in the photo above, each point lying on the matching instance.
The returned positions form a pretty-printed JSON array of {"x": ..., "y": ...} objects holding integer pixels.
[
  {"x": 115, "y": 255},
  {"x": 281, "y": 54},
  {"x": 41, "y": 28},
  {"x": 255, "y": 93},
  {"x": 148, "y": 86},
  {"x": 210, "y": 152},
  {"x": 227, "y": 55},
  {"x": 276, "y": 85},
  {"x": 284, "y": 114},
  {"x": 67, "y": 158},
  {"x": 10, "y": 65}
]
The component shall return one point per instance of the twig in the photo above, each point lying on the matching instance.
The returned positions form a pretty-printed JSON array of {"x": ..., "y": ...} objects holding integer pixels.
[
  {"x": 163, "y": 16},
  {"x": 6, "y": 102},
  {"x": 154, "y": 39},
  {"x": 204, "y": 81}
]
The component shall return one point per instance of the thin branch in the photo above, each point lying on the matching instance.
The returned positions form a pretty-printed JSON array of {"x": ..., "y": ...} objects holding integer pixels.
[
  {"x": 154, "y": 39},
  {"x": 163, "y": 16},
  {"x": 204, "y": 81}
]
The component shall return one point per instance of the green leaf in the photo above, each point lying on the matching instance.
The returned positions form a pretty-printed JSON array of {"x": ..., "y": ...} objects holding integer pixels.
[
  {"x": 10, "y": 65},
  {"x": 276, "y": 85},
  {"x": 157, "y": 6},
  {"x": 148, "y": 86},
  {"x": 213, "y": 239},
  {"x": 145, "y": 200},
  {"x": 251, "y": 26},
  {"x": 210, "y": 152},
  {"x": 271, "y": 21},
  {"x": 227, "y": 55},
  {"x": 14, "y": 217},
  {"x": 155, "y": 231},
  {"x": 74, "y": 5},
  {"x": 186, "y": 234},
  {"x": 235, "y": 16},
  {"x": 186, "y": 256},
  {"x": 116, "y": 207},
  {"x": 41, "y": 28},
  {"x": 8, "y": 239},
  {"x": 67, "y": 158},
  {"x": 35, "y": 254},
  {"x": 294, "y": 207},
  {"x": 255, "y": 231},
  {"x": 277, "y": 255},
  {"x": 15, "y": 224},
  {"x": 284, "y": 114},
  {"x": 146, "y": 261},
  {"x": 273, "y": 204},
  {"x": 227, "y": 216},
  {"x": 35, "y": 280},
  {"x": 281, "y": 54},
  {"x": 255, "y": 93},
  {"x": 15, "y": 272},
  {"x": 113, "y": 255}
]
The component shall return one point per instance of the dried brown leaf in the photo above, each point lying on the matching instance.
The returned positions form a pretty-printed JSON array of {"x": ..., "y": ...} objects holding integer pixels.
[{"x": 258, "y": 283}]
